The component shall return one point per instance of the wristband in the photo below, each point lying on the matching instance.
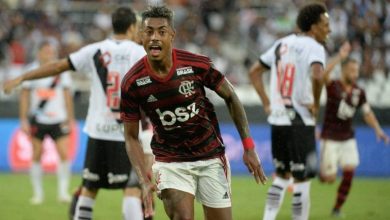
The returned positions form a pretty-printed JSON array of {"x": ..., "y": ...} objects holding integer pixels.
[{"x": 248, "y": 143}]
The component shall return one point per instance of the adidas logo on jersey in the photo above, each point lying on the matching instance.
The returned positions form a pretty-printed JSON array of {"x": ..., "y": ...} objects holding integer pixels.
[
  {"x": 143, "y": 81},
  {"x": 226, "y": 196},
  {"x": 151, "y": 98},
  {"x": 184, "y": 71}
]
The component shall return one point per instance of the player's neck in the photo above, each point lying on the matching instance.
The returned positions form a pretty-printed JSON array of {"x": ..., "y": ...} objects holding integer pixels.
[
  {"x": 120, "y": 37},
  {"x": 346, "y": 84},
  {"x": 161, "y": 67}
]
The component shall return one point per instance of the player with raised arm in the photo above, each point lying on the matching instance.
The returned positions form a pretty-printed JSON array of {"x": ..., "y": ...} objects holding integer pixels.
[
  {"x": 106, "y": 163},
  {"x": 297, "y": 67},
  {"x": 46, "y": 108},
  {"x": 169, "y": 86},
  {"x": 338, "y": 144}
]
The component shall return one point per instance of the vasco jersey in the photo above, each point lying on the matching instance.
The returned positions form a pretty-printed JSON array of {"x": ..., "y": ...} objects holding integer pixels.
[
  {"x": 340, "y": 109},
  {"x": 106, "y": 62},
  {"x": 54, "y": 111},
  {"x": 184, "y": 120},
  {"x": 290, "y": 60}
]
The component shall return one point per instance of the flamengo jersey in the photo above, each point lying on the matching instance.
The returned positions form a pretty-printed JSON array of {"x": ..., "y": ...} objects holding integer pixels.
[
  {"x": 290, "y": 60},
  {"x": 184, "y": 120},
  {"x": 54, "y": 111},
  {"x": 340, "y": 109},
  {"x": 106, "y": 62}
]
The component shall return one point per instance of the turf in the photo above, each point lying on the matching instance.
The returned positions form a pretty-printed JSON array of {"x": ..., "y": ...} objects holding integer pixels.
[{"x": 369, "y": 199}]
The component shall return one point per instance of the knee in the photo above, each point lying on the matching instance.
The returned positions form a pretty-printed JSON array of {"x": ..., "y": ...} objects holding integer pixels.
[
  {"x": 89, "y": 192},
  {"x": 133, "y": 192},
  {"x": 327, "y": 178}
]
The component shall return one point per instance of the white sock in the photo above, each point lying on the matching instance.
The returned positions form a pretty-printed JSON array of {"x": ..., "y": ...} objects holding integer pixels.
[
  {"x": 84, "y": 208},
  {"x": 63, "y": 177},
  {"x": 36, "y": 179},
  {"x": 132, "y": 208},
  {"x": 301, "y": 201},
  {"x": 275, "y": 198}
]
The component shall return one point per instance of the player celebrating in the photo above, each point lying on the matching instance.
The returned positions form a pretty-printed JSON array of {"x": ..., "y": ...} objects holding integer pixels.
[
  {"x": 338, "y": 144},
  {"x": 46, "y": 108},
  {"x": 106, "y": 163},
  {"x": 297, "y": 65},
  {"x": 169, "y": 86}
]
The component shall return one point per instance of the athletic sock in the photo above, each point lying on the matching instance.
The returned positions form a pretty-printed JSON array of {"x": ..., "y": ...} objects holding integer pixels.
[
  {"x": 301, "y": 201},
  {"x": 84, "y": 208},
  {"x": 63, "y": 177},
  {"x": 132, "y": 208},
  {"x": 275, "y": 198},
  {"x": 344, "y": 188},
  {"x": 36, "y": 179}
]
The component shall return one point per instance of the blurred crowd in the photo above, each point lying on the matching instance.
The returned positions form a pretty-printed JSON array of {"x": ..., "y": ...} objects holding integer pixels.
[{"x": 232, "y": 32}]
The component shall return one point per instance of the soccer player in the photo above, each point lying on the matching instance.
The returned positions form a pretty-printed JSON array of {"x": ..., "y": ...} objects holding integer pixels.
[
  {"x": 169, "y": 86},
  {"x": 338, "y": 143},
  {"x": 46, "y": 108},
  {"x": 106, "y": 163},
  {"x": 297, "y": 68}
]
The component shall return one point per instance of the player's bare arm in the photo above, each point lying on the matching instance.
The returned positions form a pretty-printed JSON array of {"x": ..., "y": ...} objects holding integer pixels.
[
  {"x": 46, "y": 70},
  {"x": 343, "y": 53},
  {"x": 136, "y": 156},
  {"x": 317, "y": 79},
  {"x": 370, "y": 119},
  {"x": 69, "y": 106},
  {"x": 238, "y": 115},
  {"x": 256, "y": 77},
  {"x": 24, "y": 103}
]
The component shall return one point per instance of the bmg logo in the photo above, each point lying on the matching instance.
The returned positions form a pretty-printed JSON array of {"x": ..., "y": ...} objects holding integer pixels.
[{"x": 180, "y": 114}]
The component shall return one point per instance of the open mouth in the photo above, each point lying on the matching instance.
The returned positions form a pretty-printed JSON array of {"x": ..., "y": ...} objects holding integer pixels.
[{"x": 155, "y": 50}]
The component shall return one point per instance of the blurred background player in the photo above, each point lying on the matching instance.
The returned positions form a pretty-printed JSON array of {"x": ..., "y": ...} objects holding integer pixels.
[
  {"x": 106, "y": 163},
  {"x": 169, "y": 86},
  {"x": 338, "y": 143},
  {"x": 297, "y": 65},
  {"x": 46, "y": 109}
]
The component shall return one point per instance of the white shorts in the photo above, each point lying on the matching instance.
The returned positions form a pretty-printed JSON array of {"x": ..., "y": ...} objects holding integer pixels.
[
  {"x": 207, "y": 180},
  {"x": 146, "y": 137},
  {"x": 334, "y": 153}
]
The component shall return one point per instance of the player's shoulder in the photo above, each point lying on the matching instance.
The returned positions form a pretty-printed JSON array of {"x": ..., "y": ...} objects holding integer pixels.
[
  {"x": 135, "y": 72},
  {"x": 192, "y": 59}
]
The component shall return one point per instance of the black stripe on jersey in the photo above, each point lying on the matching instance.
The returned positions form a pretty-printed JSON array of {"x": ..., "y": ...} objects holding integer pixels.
[
  {"x": 264, "y": 64},
  {"x": 71, "y": 64},
  {"x": 100, "y": 69},
  {"x": 193, "y": 57}
]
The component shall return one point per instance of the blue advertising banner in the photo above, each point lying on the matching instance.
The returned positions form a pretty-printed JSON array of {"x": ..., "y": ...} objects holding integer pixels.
[{"x": 15, "y": 149}]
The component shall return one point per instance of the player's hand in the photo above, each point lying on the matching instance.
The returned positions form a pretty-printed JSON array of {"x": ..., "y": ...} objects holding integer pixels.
[
  {"x": 147, "y": 198},
  {"x": 8, "y": 86},
  {"x": 267, "y": 109},
  {"x": 380, "y": 135},
  {"x": 25, "y": 126},
  {"x": 344, "y": 50},
  {"x": 252, "y": 161}
]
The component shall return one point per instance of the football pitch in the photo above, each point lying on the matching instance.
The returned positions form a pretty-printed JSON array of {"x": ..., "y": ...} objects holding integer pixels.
[{"x": 369, "y": 199}]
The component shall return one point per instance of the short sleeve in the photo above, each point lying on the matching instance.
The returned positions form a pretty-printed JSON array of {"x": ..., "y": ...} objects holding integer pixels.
[
  {"x": 79, "y": 60},
  {"x": 267, "y": 58},
  {"x": 363, "y": 99},
  {"x": 212, "y": 78},
  {"x": 129, "y": 107},
  {"x": 317, "y": 55}
]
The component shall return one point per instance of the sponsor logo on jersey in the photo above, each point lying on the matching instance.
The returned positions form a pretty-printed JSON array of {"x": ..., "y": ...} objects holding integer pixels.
[
  {"x": 184, "y": 70},
  {"x": 143, "y": 81},
  {"x": 187, "y": 88},
  {"x": 151, "y": 98},
  {"x": 181, "y": 114}
]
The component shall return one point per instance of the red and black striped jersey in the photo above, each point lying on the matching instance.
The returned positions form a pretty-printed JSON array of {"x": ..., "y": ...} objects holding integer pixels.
[
  {"x": 184, "y": 120},
  {"x": 340, "y": 109}
]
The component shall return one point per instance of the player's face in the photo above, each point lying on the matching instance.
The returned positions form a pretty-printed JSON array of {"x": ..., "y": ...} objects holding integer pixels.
[
  {"x": 47, "y": 53},
  {"x": 351, "y": 72},
  {"x": 321, "y": 30},
  {"x": 157, "y": 38}
]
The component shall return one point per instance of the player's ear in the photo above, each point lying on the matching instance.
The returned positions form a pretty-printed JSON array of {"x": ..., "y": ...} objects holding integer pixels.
[{"x": 173, "y": 34}]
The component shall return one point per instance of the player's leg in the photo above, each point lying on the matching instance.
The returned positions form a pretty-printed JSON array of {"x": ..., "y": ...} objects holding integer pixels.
[
  {"x": 214, "y": 190},
  {"x": 61, "y": 136},
  {"x": 349, "y": 160},
  {"x": 132, "y": 202},
  {"x": 36, "y": 172},
  {"x": 303, "y": 167},
  {"x": 275, "y": 195},
  {"x": 328, "y": 160},
  {"x": 176, "y": 185}
]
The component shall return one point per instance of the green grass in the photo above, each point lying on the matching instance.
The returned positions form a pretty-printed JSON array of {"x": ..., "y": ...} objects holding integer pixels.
[{"x": 369, "y": 199}]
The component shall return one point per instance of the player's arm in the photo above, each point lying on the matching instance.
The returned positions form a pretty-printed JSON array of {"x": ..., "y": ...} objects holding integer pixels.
[
  {"x": 335, "y": 60},
  {"x": 24, "y": 104},
  {"x": 69, "y": 105},
  {"x": 46, "y": 70},
  {"x": 237, "y": 112},
  {"x": 370, "y": 119},
  {"x": 256, "y": 77},
  {"x": 136, "y": 156},
  {"x": 317, "y": 70}
]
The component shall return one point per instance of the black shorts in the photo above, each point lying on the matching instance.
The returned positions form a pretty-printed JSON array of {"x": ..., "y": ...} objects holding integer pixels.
[
  {"x": 55, "y": 131},
  {"x": 294, "y": 150},
  {"x": 106, "y": 165}
]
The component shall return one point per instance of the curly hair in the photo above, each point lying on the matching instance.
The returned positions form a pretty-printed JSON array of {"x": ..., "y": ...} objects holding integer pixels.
[
  {"x": 309, "y": 15},
  {"x": 158, "y": 12}
]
